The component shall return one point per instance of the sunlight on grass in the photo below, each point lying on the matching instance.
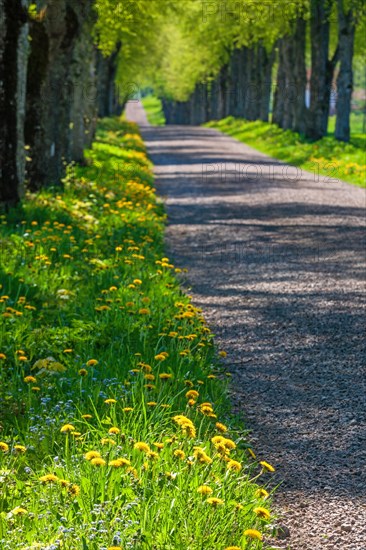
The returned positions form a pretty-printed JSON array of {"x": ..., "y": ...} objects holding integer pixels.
[
  {"x": 115, "y": 424},
  {"x": 154, "y": 110},
  {"x": 328, "y": 157}
]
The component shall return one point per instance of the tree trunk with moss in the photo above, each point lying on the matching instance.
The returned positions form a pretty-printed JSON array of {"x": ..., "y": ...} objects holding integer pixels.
[{"x": 13, "y": 70}]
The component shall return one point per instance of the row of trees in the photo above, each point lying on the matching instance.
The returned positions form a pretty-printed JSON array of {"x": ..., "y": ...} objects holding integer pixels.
[
  {"x": 248, "y": 58},
  {"x": 58, "y": 66}
]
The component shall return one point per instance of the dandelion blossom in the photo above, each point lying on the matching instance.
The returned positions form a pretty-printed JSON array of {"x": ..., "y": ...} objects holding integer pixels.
[
  {"x": 92, "y": 454},
  {"x": 204, "y": 490},
  {"x": 262, "y": 512},
  {"x": 30, "y": 380},
  {"x": 253, "y": 534},
  {"x": 4, "y": 447},
  {"x": 234, "y": 465},
  {"x": 215, "y": 501},
  {"x": 48, "y": 478},
  {"x": 98, "y": 461},
  {"x": 179, "y": 454},
  {"x": 20, "y": 449},
  {"x": 67, "y": 428},
  {"x": 114, "y": 431},
  {"x": 141, "y": 446},
  {"x": 266, "y": 466},
  {"x": 18, "y": 511},
  {"x": 221, "y": 427}
]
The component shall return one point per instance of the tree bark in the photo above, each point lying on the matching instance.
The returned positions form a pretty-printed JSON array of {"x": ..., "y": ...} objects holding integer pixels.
[
  {"x": 108, "y": 98},
  {"x": 321, "y": 70},
  {"x": 51, "y": 88},
  {"x": 13, "y": 70},
  {"x": 346, "y": 38},
  {"x": 289, "y": 111}
]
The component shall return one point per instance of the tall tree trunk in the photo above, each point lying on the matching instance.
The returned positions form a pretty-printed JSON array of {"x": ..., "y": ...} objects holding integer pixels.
[
  {"x": 84, "y": 109},
  {"x": 13, "y": 70},
  {"x": 50, "y": 93},
  {"x": 108, "y": 97},
  {"x": 279, "y": 96},
  {"x": 289, "y": 110},
  {"x": 300, "y": 79},
  {"x": 321, "y": 70},
  {"x": 265, "y": 64},
  {"x": 346, "y": 38}
]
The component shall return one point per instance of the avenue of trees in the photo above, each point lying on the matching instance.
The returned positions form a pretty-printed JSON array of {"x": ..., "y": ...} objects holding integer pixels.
[
  {"x": 247, "y": 58},
  {"x": 60, "y": 61}
]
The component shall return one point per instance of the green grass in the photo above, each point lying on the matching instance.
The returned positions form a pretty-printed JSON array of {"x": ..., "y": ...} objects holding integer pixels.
[
  {"x": 154, "y": 110},
  {"x": 357, "y": 123},
  {"x": 99, "y": 347},
  {"x": 327, "y": 157}
]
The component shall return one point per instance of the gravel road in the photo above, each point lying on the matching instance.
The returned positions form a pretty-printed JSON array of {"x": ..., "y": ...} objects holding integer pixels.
[{"x": 276, "y": 260}]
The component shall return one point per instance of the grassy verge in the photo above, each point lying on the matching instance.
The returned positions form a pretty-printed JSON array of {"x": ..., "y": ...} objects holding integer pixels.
[
  {"x": 327, "y": 157},
  {"x": 154, "y": 110},
  {"x": 115, "y": 426}
]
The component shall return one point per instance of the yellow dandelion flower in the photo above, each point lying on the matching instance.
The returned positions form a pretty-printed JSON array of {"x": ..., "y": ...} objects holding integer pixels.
[
  {"x": 262, "y": 512},
  {"x": 221, "y": 427},
  {"x": 192, "y": 394},
  {"x": 127, "y": 409},
  {"x": 153, "y": 455},
  {"x": 141, "y": 446},
  {"x": 218, "y": 440},
  {"x": 179, "y": 454},
  {"x": 64, "y": 482},
  {"x": 229, "y": 444},
  {"x": 266, "y": 466},
  {"x": 48, "y": 478},
  {"x": 119, "y": 463},
  {"x": 215, "y": 501},
  {"x": 114, "y": 548},
  {"x": 151, "y": 403},
  {"x": 20, "y": 449},
  {"x": 204, "y": 490},
  {"x": 91, "y": 363},
  {"x": 253, "y": 534},
  {"x": 67, "y": 428},
  {"x": 83, "y": 372},
  {"x": 149, "y": 376},
  {"x": 18, "y": 511},
  {"x": 165, "y": 376},
  {"x": 36, "y": 388},
  {"x": 4, "y": 447},
  {"x": 86, "y": 416},
  {"x": 114, "y": 431},
  {"x": 222, "y": 354},
  {"x": 98, "y": 461},
  {"x": 189, "y": 383},
  {"x": 74, "y": 490},
  {"x": 107, "y": 441},
  {"x": 159, "y": 446},
  {"x": 110, "y": 401},
  {"x": 92, "y": 454},
  {"x": 262, "y": 493},
  {"x": 234, "y": 465},
  {"x": 2, "y": 356}
]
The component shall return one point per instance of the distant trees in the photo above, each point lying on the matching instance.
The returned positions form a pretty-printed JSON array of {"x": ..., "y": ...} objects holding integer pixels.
[{"x": 235, "y": 47}]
